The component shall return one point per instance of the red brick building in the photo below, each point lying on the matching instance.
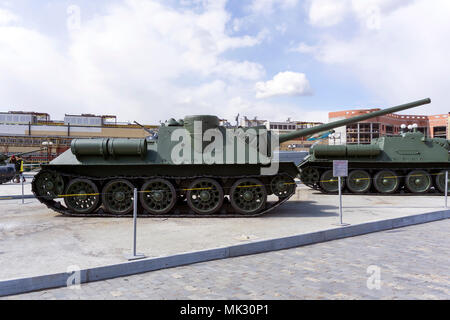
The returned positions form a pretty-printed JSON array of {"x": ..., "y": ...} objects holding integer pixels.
[{"x": 364, "y": 131}]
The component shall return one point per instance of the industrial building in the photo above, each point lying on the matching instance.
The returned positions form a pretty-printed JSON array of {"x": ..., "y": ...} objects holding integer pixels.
[
  {"x": 27, "y": 131},
  {"x": 363, "y": 132}
]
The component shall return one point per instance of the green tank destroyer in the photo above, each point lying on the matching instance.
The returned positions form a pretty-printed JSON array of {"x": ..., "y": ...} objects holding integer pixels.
[
  {"x": 192, "y": 167},
  {"x": 408, "y": 162}
]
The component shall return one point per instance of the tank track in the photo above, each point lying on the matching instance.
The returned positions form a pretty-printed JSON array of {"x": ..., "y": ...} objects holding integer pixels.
[
  {"x": 176, "y": 212},
  {"x": 400, "y": 192}
]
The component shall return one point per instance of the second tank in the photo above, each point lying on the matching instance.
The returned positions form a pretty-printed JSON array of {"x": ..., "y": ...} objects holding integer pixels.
[{"x": 408, "y": 162}]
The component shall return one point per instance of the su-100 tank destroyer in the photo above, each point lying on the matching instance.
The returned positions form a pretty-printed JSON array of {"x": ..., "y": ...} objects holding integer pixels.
[
  {"x": 408, "y": 162},
  {"x": 195, "y": 167}
]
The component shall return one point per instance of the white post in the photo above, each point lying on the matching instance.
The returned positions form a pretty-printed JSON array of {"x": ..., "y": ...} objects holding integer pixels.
[
  {"x": 340, "y": 200},
  {"x": 135, "y": 255},
  {"x": 23, "y": 200},
  {"x": 446, "y": 187},
  {"x": 134, "y": 220}
]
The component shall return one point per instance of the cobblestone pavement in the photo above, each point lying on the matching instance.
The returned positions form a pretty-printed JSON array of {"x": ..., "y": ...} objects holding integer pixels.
[{"x": 412, "y": 263}]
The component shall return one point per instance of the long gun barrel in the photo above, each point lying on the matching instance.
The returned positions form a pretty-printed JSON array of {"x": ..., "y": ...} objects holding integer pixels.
[
  {"x": 147, "y": 130},
  {"x": 4, "y": 156},
  {"x": 340, "y": 123},
  {"x": 25, "y": 153}
]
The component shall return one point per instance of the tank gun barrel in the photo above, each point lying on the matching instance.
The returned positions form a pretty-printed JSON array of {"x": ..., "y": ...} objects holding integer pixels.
[
  {"x": 4, "y": 156},
  {"x": 28, "y": 152},
  {"x": 340, "y": 123},
  {"x": 143, "y": 127}
]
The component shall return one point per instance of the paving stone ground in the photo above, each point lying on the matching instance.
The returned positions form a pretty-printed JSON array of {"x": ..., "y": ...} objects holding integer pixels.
[{"x": 410, "y": 263}]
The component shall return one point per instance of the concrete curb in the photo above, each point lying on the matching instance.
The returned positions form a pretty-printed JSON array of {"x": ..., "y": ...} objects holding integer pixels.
[{"x": 17, "y": 286}]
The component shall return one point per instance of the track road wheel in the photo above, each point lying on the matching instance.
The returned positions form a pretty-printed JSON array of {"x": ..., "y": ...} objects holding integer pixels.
[
  {"x": 117, "y": 196},
  {"x": 48, "y": 185},
  {"x": 205, "y": 196},
  {"x": 440, "y": 181},
  {"x": 309, "y": 176},
  {"x": 359, "y": 181},
  {"x": 418, "y": 181},
  {"x": 248, "y": 196},
  {"x": 282, "y": 186},
  {"x": 386, "y": 181},
  {"x": 328, "y": 183},
  {"x": 82, "y": 196},
  {"x": 158, "y": 196}
]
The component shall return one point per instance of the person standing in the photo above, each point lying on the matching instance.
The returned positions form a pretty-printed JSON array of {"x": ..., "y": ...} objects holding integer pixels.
[
  {"x": 19, "y": 168},
  {"x": 13, "y": 160}
]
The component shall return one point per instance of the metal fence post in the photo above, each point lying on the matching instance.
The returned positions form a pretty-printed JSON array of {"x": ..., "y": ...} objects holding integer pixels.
[
  {"x": 446, "y": 188},
  {"x": 135, "y": 255},
  {"x": 23, "y": 194},
  {"x": 340, "y": 200}
]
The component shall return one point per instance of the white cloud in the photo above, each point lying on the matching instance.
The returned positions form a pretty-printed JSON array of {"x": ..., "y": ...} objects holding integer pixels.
[
  {"x": 7, "y": 17},
  {"x": 141, "y": 60},
  {"x": 405, "y": 59},
  {"x": 268, "y": 6},
  {"x": 304, "y": 48},
  {"x": 266, "y": 111},
  {"x": 284, "y": 83},
  {"x": 326, "y": 13}
]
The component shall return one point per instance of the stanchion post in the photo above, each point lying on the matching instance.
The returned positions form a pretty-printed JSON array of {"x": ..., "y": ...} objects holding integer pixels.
[
  {"x": 340, "y": 200},
  {"x": 340, "y": 169},
  {"x": 135, "y": 256},
  {"x": 23, "y": 195},
  {"x": 446, "y": 187}
]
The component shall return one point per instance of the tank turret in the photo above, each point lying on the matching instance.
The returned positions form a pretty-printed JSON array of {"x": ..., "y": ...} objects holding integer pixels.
[{"x": 195, "y": 166}]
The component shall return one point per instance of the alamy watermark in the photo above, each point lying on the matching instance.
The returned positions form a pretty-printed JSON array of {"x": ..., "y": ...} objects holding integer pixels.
[
  {"x": 73, "y": 18},
  {"x": 74, "y": 278},
  {"x": 374, "y": 279},
  {"x": 226, "y": 146},
  {"x": 373, "y": 18}
]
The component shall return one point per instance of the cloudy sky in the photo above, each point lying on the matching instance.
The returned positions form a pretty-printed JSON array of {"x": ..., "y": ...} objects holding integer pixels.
[{"x": 150, "y": 60}]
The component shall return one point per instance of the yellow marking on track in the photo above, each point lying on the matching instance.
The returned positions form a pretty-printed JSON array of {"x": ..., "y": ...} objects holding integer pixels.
[
  {"x": 250, "y": 186},
  {"x": 78, "y": 195},
  {"x": 209, "y": 188}
]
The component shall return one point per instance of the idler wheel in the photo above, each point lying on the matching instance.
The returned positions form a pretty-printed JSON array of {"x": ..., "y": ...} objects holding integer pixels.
[
  {"x": 386, "y": 181},
  {"x": 205, "y": 196},
  {"x": 248, "y": 196},
  {"x": 117, "y": 196},
  {"x": 329, "y": 183},
  {"x": 418, "y": 181},
  {"x": 48, "y": 185},
  {"x": 440, "y": 181},
  {"x": 82, "y": 196},
  {"x": 359, "y": 181},
  {"x": 309, "y": 176},
  {"x": 158, "y": 196},
  {"x": 283, "y": 186}
]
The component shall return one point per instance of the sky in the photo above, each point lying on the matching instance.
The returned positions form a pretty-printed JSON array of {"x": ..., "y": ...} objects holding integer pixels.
[{"x": 151, "y": 60}]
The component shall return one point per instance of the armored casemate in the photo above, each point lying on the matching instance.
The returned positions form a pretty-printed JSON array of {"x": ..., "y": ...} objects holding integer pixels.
[
  {"x": 408, "y": 162},
  {"x": 195, "y": 167}
]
